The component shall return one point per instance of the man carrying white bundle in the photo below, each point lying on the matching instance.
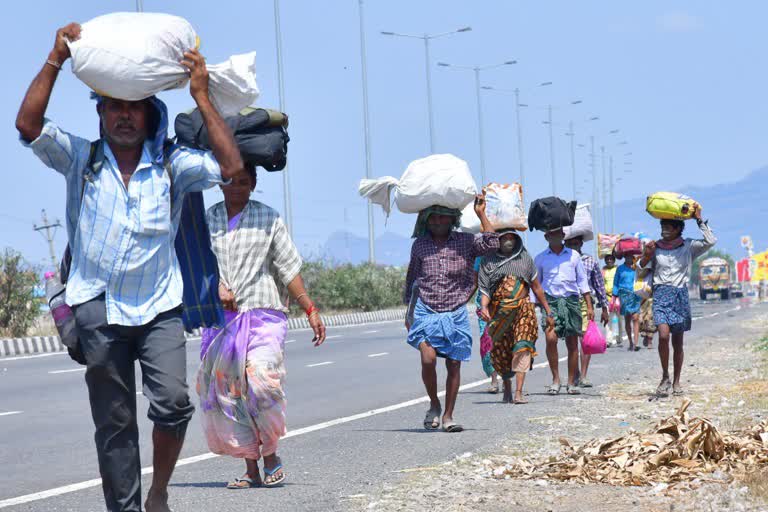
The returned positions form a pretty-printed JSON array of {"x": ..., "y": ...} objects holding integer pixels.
[{"x": 124, "y": 196}]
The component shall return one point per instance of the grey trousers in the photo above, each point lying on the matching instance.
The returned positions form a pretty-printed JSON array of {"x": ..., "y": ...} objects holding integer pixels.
[{"x": 110, "y": 352}]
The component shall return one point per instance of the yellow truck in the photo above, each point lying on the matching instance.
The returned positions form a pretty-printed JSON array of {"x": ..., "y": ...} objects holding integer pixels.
[{"x": 715, "y": 278}]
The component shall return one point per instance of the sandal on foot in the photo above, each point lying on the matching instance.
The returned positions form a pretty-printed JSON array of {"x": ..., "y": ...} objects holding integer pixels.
[
  {"x": 493, "y": 389},
  {"x": 270, "y": 473},
  {"x": 663, "y": 389},
  {"x": 554, "y": 389},
  {"x": 432, "y": 420},
  {"x": 244, "y": 482},
  {"x": 584, "y": 383},
  {"x": 520, "y": 402},
  {"x": 677, "y": 391},
  {"x": 452, "y": 427},
  {"x": 572, "y": 390}
]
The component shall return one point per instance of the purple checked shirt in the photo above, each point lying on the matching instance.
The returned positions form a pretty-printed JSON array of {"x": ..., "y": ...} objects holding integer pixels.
[
  {"x": 445, "y": 272},
  {"x": 595, "y": 279}
]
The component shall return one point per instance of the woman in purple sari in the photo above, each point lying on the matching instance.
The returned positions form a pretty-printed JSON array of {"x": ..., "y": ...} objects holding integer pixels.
[{"x": 241, "y": 376}]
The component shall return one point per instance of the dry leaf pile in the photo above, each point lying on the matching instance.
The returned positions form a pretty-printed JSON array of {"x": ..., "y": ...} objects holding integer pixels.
[{"x": 678, "y": 449}]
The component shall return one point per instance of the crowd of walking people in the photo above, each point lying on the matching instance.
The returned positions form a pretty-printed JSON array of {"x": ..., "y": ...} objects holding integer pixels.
[
  {"x": 124, "y": 200},
  {"x": 567, "y": 286}
]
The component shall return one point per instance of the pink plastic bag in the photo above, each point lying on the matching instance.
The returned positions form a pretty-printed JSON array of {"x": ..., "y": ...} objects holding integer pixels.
[{"x": 593, "y": 342}]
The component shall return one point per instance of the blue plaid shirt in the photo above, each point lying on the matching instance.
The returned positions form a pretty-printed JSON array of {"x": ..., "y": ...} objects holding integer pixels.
[{"x": 122, "y": 240}]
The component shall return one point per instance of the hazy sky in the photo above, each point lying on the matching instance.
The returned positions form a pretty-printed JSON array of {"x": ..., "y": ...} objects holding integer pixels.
[{"x": 683, "y": 81}]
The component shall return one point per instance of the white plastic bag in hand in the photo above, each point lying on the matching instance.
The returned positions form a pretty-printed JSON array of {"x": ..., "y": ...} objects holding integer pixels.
[
  {"x": 132, "y": 56},
  {"x": 443, "y": 180}
]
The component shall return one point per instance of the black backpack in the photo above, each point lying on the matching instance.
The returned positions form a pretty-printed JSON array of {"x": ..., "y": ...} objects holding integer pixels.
[
  {"x": 261, "y": 135},
  {"x": 551, "y": 213}
]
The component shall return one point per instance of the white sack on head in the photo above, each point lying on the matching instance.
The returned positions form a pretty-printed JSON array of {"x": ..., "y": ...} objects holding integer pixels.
[
  {"x": 470, "y": 222},
  {"x": 443, "y": 180},
  {"x": 132, "y": 56},
  {"x": 582, "y": 224}
]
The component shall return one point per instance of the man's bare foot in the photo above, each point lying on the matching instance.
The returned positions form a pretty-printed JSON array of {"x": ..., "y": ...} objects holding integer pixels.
[
  {"x": 157, "y": 501},
  {"x": 519, "y": 398}
]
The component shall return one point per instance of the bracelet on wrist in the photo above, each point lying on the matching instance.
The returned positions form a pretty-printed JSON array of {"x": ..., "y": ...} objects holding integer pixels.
[
  {"x": 312, "y": 310},
  {"x": 54, "y": 63}
]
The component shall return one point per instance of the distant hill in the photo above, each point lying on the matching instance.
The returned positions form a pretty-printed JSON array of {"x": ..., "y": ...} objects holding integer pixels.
[{"x": 733, "y": 209}]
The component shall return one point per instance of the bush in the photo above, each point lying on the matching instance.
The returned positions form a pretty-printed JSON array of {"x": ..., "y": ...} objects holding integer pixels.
[
  {"x": 18, "y": 306},
  {"x": 354, "y": 287}
]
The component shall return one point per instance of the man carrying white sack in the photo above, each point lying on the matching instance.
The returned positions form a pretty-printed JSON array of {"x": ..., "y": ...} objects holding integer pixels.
[
  {"x": 442, "y": 268},
  {"x": 124, "y": 283}
]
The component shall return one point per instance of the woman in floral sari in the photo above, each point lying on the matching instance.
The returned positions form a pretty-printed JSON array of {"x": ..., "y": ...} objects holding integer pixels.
[
  {"x": 505, "y": 281},
  {"x": 240, "y": 381}
]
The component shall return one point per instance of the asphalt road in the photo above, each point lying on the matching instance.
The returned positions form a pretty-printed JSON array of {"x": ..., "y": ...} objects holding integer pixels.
[{"x": 354, "y": 417}]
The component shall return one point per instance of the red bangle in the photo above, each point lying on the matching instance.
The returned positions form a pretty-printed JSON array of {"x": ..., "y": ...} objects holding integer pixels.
[{"x": 312, "y": 310}]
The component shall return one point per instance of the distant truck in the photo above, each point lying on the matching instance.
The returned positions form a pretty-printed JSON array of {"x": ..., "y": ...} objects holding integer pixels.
[{"x": 715, "y": 278}]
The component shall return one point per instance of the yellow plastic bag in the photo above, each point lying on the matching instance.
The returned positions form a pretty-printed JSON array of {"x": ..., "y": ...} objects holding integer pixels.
[
  {"x": 643, "y": 287},
  {"x": 670, "y": 206}
]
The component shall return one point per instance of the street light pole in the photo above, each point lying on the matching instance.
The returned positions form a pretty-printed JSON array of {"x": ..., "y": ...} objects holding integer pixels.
[
  {"x": 430, "y": 110},
  {"x": 367, "y": 133},
  {"x": 519, "y": 138},
  {"x": 613, "y": 204},
  {"x": 595, "y": 217},
  {"x": 480, "y": 128},
  {"x": 428, "y": 70},
  {"x": 573, "y": 156},
  {"x": 551, "y": 150},
  {"x": 605, "y": 192},
  {"x": 281, "y": 92}
]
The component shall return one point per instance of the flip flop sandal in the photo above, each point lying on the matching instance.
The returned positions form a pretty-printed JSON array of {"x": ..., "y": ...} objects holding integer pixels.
[
  {"x": 268, "y": 473},
  {"x": 520, "y": 402},
  {"x": 432, "y": 420},
  {"x": 678, "y": 392},
  {"x": 554, "y": 389},
  {"x": 572, "y": 390},
  {"x": 243, "y": 483},
  {"x": 493, "y": 390},
  {"x": 663, "y": 389},
  {"x": 452, "y": 428},
  {"x": 585, "y": 383}
]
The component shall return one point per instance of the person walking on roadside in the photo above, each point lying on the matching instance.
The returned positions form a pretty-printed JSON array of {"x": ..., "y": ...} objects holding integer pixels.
[
  {"x": 242, "y": 373},
  {"x": 597, "y": 290},
  {"x": 671, "y": 258},
  {"x": 486, "y": 343},
  {"x": 609, "y": 272},
  {"x": 624, "y": 288},
  {"x": 564, "y": 281},
  {"x": 124, "y": 198},
  {"x": 505, "y": 281},
  {"x": 442, "y": 262}
]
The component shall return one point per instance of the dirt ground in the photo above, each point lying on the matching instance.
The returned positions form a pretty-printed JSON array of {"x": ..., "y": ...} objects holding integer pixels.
[{"x": 726, "y": 382}]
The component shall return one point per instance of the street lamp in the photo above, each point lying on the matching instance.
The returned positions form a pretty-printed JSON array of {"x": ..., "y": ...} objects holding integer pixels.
[
  {"x": 427, "y": 38},
  {"x": 281, "y": 94},
  {"x": 366, "y": 134},
  {"x": 477, "y": 70}
]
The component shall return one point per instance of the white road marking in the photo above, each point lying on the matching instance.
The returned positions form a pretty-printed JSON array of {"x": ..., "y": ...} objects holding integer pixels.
[
  {"x": 379, "y": 355},
  {"x": 67, "y": 371},
  {"x": 324, "y": 363},
  {"x": 19, "y": 358},
  {"x": 332, "y": 337},
  {"x": 291, "y": 341},
  {"x": 370, "y": 332},
  {"x": 58, "y": 491},
  {"x": 10, "y": 413}
]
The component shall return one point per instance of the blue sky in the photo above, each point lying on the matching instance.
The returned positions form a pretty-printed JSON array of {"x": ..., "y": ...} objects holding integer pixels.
[{"x": 683, "y": 81}]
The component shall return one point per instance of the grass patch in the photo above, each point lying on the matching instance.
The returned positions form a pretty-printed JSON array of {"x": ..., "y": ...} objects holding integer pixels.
[{"x": 762, "y": 344}]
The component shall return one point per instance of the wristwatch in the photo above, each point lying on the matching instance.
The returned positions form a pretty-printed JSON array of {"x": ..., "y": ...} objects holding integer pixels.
[{"x": 550, "y": 315}]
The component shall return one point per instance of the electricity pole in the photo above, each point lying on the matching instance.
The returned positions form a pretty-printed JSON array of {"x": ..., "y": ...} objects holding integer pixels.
[{"x": 48, "y": 231}]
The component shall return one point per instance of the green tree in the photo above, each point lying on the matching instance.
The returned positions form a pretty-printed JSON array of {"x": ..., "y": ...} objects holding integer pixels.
[
  {"x": 18, "y": 306},
  {"x": 712, "y": 253}
]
